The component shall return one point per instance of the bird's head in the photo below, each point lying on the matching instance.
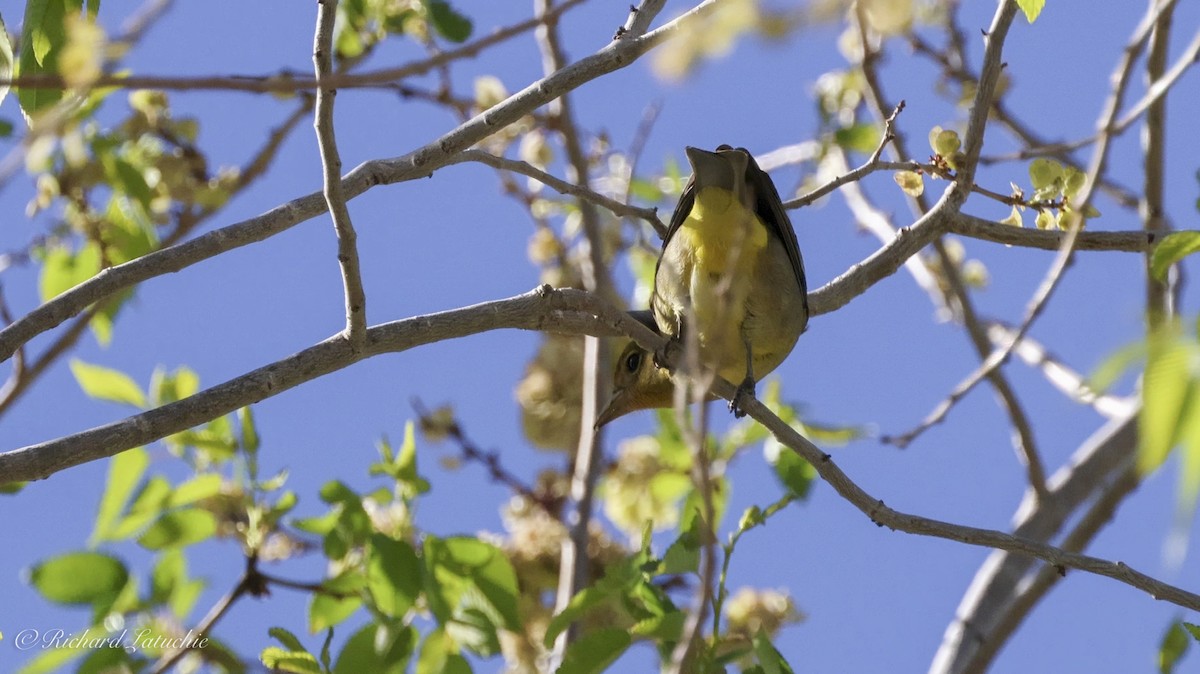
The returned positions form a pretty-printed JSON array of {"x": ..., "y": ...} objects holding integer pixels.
[{"x": 637, "y": 385}]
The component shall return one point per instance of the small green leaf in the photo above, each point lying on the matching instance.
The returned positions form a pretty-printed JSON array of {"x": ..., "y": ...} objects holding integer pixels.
[
  {"x": 288, "y": 639},
  {"x": 449, "y": 23},
  {"x": 1031, "y": 8},
  {"x": 377, "y": 648},
  {"x": 338, "y": 601},
  {"x": 170, "y": 583},
  {"x": 43, "y": 35},
  {"x": 1172, "y": 649},
  {"x": 393, "y": 575},
  {"x": 1074, "y": 181},
  {"x": 1168, "y": 385},
  {"x": 125, "y": 470},
  {"x": 1013, "y": 218},
  {"x": 794, "y": 473},
  {"x": 1044, "y": 173},
  {"x": 103, "y": 383},
  {"x": 910, "y": 181},
  {"x": 683, "y": 555},
  {"x": 279, "y": 660},
  {"x": 6, "y": 59},
  {"x": 196, "y": 489},
  {"x": 1172, "y": 249},
  {"x": 63, "y": 270},
  {"x": 768, "y": 656},
  {"x": 862, "y": 138},
  {"x": 178, "y": 529},
  {"x": 945, "y": 142},
  {"x": 595, "y": 651},
  {"x": 581, "y": 603},
  {"x": 79, "y": 578}
]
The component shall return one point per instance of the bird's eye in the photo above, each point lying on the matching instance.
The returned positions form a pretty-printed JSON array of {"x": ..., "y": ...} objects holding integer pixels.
[{"x": 633, "y": 361}]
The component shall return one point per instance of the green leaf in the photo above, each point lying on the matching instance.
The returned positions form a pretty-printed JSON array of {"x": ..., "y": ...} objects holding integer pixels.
[
  {"x": 250, "y": 441},
  {"x": 581, "y": 603},
  {"x": 945, "y": 142},
  {"x": 1168, "y": 384},
  {"x": 666, "y": 627},
  {"x": 103, "y": 383},
  {"x": 169, "y": 387},
  {"x": 448, "y": 22},
  {"x": 6, "y": 59},
  {"x": 595, "y": 651},
  {"x": 146, "y": 507},
  {"x": 393, "y": 575},
  {"x": 1045, "y": 173},
  {"x": 771, "y": 660},
  {"x": 125, "y": 470},
  {"x": 289, "y": 640},
  {"x": 79, "y": 578},
  {"x": 911, "y": 182},
  {"x": 1172, "y": 249},
  {"x": 1173, "y": 647},
  {"x": 683, "y": 555},
  {"x": 1112, "y": 367},
  {"x": 793, "y": 472},
  {"x": 196, "y": 489},
  {"x": 1193, "y": 630},
  {"x": 377, "y": 648},
  {"x": 467, "y": 573},
  {"x": 1031, "y": 8},
  {"x": 279, "y": 660},
  {"x": 169, "y": 583},
  {"x": 178, "y": 529},
  {"x": 859, "y": 137},
  {"x": 63, "y": 270},
  {"x": 338, "y": 601},
  {"x": 43, "y": 35}
]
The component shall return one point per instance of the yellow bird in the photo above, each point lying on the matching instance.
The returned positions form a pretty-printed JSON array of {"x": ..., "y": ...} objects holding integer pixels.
[{"x": 731, "y": 270}]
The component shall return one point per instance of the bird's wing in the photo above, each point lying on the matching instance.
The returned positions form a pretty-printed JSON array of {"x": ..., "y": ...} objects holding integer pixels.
[{"x": 769, "y": 208}]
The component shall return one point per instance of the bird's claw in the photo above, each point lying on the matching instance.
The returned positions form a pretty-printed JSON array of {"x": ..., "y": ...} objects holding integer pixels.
[
  {"x": 668, "y": 354},
  {"x": 745, "y": 391}
]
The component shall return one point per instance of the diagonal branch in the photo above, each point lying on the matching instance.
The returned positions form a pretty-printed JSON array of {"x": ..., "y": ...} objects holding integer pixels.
[
  {"x": 650, "y": 215},
  {"x": 567, "y": 311},
  {"x": 331, "y": 164}
]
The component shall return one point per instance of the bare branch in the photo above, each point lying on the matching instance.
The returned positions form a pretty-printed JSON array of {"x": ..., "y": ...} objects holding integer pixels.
[
  {"x": 1061, "y": 376},
  {"x": 331, "y": 164},
  {"x": 567, "y": 311},
  {"x": 562, "y": 186}
]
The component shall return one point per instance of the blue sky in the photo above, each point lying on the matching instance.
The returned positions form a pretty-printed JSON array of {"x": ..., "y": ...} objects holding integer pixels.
[{"x": 877, "y": 600}]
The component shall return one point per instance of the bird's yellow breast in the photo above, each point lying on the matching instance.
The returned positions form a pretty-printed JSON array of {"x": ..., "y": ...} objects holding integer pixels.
[
  {"x": 720, "y": 242},
  {"x": 723, "y": 234}
]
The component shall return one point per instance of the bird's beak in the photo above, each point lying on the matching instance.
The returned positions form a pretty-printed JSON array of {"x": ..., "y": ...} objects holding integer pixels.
[
  {"x": 618, "y": 405},
  {"x": 726, "y": 170}
]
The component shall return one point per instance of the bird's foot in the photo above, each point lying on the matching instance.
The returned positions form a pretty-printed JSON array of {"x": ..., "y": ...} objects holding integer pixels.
[
  {"x": 745, "y": 391},
  {"x": 669, "y": 354}
]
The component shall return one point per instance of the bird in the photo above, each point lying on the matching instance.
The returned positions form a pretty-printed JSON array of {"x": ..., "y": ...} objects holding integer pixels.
[{"x": 730, "y": 270}]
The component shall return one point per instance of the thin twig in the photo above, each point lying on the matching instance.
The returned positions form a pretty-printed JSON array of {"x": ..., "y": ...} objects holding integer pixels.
[
  {"x": 289, "y": 82},
  {"x": 574, "y": 568},
  {"x": 245, "y": 585},
  {"x": 562, "y": 186},
  {"x": 1059, "y": 374},
  {"x": 331, "y": 163}
]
